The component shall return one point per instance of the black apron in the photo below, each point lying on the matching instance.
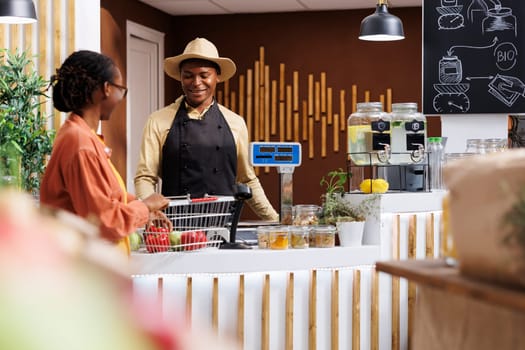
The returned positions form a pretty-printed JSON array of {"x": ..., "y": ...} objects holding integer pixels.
[{"x": 199, "y": 156}]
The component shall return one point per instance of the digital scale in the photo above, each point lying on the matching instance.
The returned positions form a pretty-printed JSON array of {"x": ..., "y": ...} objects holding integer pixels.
[{"x": 285, "y": 156}]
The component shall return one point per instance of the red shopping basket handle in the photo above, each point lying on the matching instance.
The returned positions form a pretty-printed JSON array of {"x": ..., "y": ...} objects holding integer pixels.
[{"x": 204, "y": 199}]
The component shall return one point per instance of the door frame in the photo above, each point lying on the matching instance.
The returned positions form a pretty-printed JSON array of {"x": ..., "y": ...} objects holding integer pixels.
[{"x": 145, "y": 33}]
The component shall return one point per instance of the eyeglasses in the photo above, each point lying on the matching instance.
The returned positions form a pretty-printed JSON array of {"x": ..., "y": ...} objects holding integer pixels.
[{"x": 119, "y": 87}]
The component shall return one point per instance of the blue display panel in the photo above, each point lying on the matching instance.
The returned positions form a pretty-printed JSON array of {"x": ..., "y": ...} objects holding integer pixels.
[{"x": 275, "y": 153}]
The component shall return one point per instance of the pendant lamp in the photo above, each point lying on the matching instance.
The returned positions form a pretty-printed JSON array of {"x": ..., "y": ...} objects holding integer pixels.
[
  {"x": 17, "y": 11},
  {"x": 381, "y": 25}
]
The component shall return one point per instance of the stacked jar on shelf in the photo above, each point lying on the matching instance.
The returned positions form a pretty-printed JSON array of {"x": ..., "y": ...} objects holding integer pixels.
[{"x": 305, "y": 231}]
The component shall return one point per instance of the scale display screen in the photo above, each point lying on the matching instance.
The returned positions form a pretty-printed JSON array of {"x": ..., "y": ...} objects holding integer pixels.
[{"x": 275, "y": 153}]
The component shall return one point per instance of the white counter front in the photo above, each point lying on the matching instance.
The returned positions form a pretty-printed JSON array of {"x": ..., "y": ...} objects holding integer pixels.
[
  {"x": 315, "y": 298},
  {"x": 252, "y": 260}
]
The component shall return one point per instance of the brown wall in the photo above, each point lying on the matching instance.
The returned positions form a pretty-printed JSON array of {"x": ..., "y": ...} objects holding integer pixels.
[{"x": 309, "y": 42}]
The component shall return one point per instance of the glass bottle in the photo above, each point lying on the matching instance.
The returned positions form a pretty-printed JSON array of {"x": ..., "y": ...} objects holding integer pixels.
[
  {"x": 436, "y": 158},
  {"x": 368, "y": 133},
  {"x": 408, "y": 133},
  {"x": 472, "y": 146}
]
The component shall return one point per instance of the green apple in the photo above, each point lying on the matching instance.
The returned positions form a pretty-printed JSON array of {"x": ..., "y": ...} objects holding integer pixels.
[
  {"x": 135, "y": 240},
  {"x": 175, "y": 239}
]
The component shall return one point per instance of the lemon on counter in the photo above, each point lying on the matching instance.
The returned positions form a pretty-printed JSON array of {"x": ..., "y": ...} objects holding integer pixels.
[{"x": 374, "y": 186}]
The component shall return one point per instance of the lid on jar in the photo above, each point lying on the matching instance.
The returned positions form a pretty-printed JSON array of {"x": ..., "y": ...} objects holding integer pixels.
[
  {"x": 404, "y": 106},
  {"x": 324, "y": 228},
  {"x": 370, "y": 106}
]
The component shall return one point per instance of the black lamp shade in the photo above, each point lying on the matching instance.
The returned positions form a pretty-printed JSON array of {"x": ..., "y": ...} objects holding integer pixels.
[
  {"x": 17, "y": 11},
  {"x": 381, "y": 26}
]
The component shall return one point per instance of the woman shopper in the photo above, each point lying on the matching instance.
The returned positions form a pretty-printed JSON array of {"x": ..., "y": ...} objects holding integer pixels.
[{"x": 80, "y": 176}]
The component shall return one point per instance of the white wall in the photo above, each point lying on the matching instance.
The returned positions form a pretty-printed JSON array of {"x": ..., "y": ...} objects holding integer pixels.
[{"x": 459, "y": 128}]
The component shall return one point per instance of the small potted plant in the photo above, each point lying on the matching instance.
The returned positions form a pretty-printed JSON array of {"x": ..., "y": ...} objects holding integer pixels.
[{"x": 349, "y": 219}]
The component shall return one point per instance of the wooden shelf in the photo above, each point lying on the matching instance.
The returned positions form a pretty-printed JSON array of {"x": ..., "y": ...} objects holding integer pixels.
[{"x": 436, "y": 273}]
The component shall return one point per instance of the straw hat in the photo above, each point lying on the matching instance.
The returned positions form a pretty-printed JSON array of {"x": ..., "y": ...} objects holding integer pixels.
[{"x": 202, "y": 49}]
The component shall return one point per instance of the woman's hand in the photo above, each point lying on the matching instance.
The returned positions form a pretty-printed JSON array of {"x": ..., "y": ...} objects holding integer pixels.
[
  {"x": 159, "y": 219},
  {"x": 156, "y": 202}
]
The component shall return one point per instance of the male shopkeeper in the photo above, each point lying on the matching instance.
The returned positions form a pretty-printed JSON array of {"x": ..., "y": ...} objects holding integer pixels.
[{"x": 196, "y": 145}]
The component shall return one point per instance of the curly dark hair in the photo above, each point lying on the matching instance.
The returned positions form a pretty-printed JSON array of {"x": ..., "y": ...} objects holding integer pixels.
[{"x": 81, "y": 73}]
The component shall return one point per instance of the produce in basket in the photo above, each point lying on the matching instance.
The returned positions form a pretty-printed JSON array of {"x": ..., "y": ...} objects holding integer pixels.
[
  {"x": 157, "y": 239},
  {"x": 190, "y": 239},
  {"x": 175, "y": 240},
  {"x": 135, "y": 240}
]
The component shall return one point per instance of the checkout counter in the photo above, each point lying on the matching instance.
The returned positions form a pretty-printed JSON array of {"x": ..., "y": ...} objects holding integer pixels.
[{"x": 315, "y": 298}]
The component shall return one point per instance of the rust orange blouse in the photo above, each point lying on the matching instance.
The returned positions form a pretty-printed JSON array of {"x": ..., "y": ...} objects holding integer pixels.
[{"x": 79, "y": 178}]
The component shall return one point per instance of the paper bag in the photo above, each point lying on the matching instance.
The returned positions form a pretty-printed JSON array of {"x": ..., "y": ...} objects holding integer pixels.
[{"x": 483, "y": 189}]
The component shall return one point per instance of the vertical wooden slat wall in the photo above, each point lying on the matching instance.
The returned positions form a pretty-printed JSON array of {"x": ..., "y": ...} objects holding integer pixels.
[
  {"x": 47, "y": 42},
  {"x": 284, "y": 108}
]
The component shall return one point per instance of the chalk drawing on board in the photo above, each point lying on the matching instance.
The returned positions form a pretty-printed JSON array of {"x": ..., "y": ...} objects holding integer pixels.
[
  {"x": 450, "y": 15},
  {"x": 451, "y": 98},
  {"x": 506, "y": 56},
  {"x": 499, "y": 19},
  {"x": 477, "y": 10},
  {"x": 506, "y": 89}
]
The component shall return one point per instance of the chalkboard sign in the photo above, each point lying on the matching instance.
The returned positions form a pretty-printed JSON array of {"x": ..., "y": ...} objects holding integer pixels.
[{"x": 473, "y": 56}]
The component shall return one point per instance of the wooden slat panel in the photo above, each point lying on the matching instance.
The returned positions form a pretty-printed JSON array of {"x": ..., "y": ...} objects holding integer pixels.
[
  {"x": 342, "y": 109},
  {"x": 3, "y": 30},
  {"x": 312, "y": 312},
  {"x": 329, "y": 111},
  {"x": 282, "y": 121},
  {"x": 305, "y": 120},
  {"x": 388, "y": 100},
  {"x": 215, "y": 305},
  {"x": 311, "y": 145},
  {"x": 233, "y": 101},
  {"x": 28, "y": 38},
  {"x": 261, "y": 62},
  {"x": 267, "y": 85},
  {"x": 227, "y": 94},
  {"x": 14, "y": 34},
  {"x": 374, "y": 317},
  {"x": 189, "y": 300},
  {"x": 42, "y": 40},
  {"x": 412, "y": 243},
  {"x": 249, "y": 103},
  {"x": 317, "y": 103},
  {"x": 429, "y": 236},
  {"x": 289, "y": 312},
  {"x": 323, "y": 136},
  {"x": 295, "y": 91},
  {"x": 323, "y": 92},
  {"x": 335, "y": 310},
  {"x": 220, "y": 97},
  {"x": 256, "y": 87},
  {"x": 310, "y": 94},
  {"x": 289, "y": 127},
  {"x": 354, "y": 98},
  {"x": 265, "y": 317},
  {"x": 240, "y": 311},
  {"x": 395, "y": 285},
  {"x": 336, "y": 132},
  {"x": 242, "y": 94},
  {"x": 58, "y": 16},
  {"x": 273, "y": 127},
  {"x": 71, "y": 34},
  {"x": 296, "y": 127},
  {"x": 356, "y": 311},
  {"x": 367, "y": 95},
  {"x": 382, "y": 100},
  {"x": 282, "y": 81}
]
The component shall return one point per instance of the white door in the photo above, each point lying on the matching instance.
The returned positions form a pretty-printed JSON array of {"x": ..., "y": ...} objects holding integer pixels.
[{"x": 145, "y": 79}]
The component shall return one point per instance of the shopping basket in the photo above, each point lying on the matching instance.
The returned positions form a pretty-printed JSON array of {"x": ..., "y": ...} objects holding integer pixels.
[{"x": 198, "y": 223}]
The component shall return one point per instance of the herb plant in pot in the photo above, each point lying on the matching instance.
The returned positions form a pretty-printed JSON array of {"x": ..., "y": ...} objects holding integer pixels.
[
  {"x": 22, "y": 123},
  {"x": 349, "y": 220}
]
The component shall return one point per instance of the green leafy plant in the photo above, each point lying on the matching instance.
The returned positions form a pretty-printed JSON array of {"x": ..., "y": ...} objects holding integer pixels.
[
  {"x": 335, "y": 208},
  {"x": 22, "y": 93}
]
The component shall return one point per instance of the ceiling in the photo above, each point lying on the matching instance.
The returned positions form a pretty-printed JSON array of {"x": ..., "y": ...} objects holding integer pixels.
[{"x": 222, "y": 7}]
